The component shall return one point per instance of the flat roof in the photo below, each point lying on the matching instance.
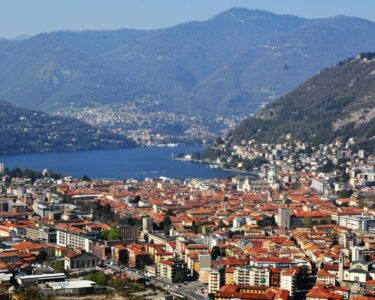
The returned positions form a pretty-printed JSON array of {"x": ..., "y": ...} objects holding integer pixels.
[
  {"x": 43, "y": 276},
  {"x": 72, "y": 284}
]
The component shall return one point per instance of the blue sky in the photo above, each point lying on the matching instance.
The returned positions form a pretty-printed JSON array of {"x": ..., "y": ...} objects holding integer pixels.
[{"x": 19, "y": 17}]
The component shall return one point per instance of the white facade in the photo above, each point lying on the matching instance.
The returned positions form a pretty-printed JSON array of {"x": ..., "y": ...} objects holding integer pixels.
[
  {"x": 215, "y": 280},
  {"x": 357, "y": 222},
  {"x": 67, "y": 239},
  {"x": 288, "y": 281}
]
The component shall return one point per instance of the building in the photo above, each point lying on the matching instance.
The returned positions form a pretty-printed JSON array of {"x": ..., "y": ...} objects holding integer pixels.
[
  {"x": 74, "y": 240},
  {"x": 204, "y": 262},
  {"x": 283, "y": 218},
  {"x": 288, "y": 280},
  {"x": 74, "y": 287},
  {"x": 119, "y": 253},
  {"x": 80, "y": 262},
  {"x": 357, "y": 222},
  {"x": 147, "y": 224},
  {"x": 138, "y": 257},
  {"x": 254, "y": 276},
  {"x": 129, "y": 233},
  {"x": 360, "y": 253},
  {"x": 325, "y": 278},
  {"x": 273, "y": 262},
  {"x": 347, "y": 239},
  {"x": 232, "y": 291},
  {"x": 215, "y": 279},
  {"x": 43, "y": 234},
  {"x": 172, "y": 270},
  {"x": 29, "y": 280}
]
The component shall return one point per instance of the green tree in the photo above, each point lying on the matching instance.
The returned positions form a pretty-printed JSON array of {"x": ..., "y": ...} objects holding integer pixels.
[
  {"x": 99, "y": 277},
  {"x": 58, "y": 265},
  {"x": 308, "y": 222},
  {"x": 114, "y": 234}
]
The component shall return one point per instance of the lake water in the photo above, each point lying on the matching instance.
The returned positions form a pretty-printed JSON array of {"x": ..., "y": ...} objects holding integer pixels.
[{"x": 136, "y": 163}]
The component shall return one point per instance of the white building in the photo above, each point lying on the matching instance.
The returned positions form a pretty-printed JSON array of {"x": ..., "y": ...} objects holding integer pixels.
[
  {"x": 215, "y": 280},
  {"x": 356, "y": 222},
  {"x": 360, "y": 253},
  {"x": 288, "y": 280},
  {"x": 73, "y": 240}
]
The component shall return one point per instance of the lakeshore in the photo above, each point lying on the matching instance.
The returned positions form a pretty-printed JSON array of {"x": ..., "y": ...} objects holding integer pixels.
[{"x": 138, "y": 163}]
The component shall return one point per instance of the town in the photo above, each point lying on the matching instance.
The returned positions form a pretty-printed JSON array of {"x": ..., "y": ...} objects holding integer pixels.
[
  {"x": 304, "y": 228},
  {"x": 149, "y": 123}
]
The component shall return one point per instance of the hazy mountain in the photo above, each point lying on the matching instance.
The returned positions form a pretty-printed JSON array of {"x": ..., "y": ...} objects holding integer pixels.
[
  {"x": 337, "y": 103},
  {"x": 23, "y": 130},
  {"x": 230, "y": 63}
]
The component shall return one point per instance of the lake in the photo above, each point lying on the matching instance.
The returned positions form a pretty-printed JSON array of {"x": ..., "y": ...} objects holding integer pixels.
[{"x": 136, "y": 163}]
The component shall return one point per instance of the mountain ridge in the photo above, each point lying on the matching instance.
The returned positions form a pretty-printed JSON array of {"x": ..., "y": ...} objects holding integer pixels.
[{"x": 232, "y": 63}]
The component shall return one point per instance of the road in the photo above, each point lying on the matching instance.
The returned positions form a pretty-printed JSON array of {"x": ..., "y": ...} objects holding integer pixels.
[{"x": 192, "y": 290}]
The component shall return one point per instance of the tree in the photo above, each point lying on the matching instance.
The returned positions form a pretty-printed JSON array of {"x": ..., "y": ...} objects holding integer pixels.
[
  {"x": 42, "y": 256},
  {"x": 308, "y": 222},
  {"x": 110, "y": 234},
  {"x": 344, "y": 193},
  {"x": 58, "y": 265},
  {"x": 104, "y": 234},
  {"x": 219, "y": 141},
  {"x": 195, "y": 228},
  {"x": 99, "y": 277},
  {"x": 114, "y": 234},
  {"x": 197, "y": 156},
  {"x": 328, "y": 167},
  {"x": 215, "y": 252},
  {"x": 86, "y": 178},
  {"x": 167, "y": 222}
]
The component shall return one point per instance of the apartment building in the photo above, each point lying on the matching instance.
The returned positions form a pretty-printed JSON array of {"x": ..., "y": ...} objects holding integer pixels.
[
  {"x": 254, "y": 276},
  {"x": 74, "y": 240}
]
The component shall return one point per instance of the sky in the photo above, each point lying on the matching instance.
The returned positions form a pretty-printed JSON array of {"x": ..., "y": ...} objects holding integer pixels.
[{"x": 29, "y": 17}]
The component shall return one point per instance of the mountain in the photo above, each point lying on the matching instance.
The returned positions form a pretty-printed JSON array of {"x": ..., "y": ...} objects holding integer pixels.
[
  {"x": 339, "y": 102},
  {"x": 232, "y": 63},
  {"x": 40, "y": 73},
  {"x": 23, "y": 130}
]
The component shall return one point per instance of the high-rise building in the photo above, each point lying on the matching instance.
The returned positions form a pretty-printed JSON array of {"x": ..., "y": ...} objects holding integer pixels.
[
  {"x": 288, "y": 280},
  {"x": 283, "y": 218},
  {"x": 204, "y": 267},
  {"x": 341, "y": 267},
  {"x": 129, "y": 232},
  {"x": 147, "y": 224},
  {"x": 172, "y": 270},
  {"x": 215, "y": 279},
  {"x": 205, "y": 261}
]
